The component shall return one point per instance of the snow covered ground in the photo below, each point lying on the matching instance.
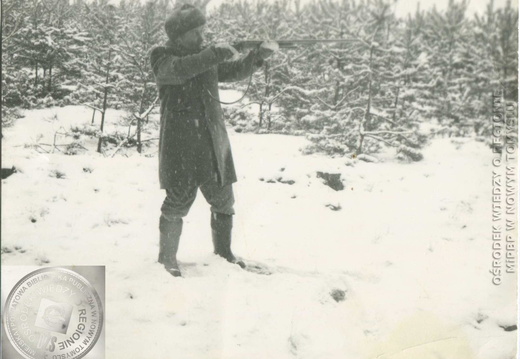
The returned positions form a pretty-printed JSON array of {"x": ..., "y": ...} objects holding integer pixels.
[{"x": 394, "y": 266}]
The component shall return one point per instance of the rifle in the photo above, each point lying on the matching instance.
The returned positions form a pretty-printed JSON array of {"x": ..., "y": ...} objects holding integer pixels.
[{"x": 286, "y": 44}]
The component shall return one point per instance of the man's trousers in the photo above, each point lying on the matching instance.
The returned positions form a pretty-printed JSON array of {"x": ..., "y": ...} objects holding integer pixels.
[{"x": 179, "y": 200}]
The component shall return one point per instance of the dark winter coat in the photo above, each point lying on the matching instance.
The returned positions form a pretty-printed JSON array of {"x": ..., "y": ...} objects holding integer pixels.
[{"x": 185, "y": 81}]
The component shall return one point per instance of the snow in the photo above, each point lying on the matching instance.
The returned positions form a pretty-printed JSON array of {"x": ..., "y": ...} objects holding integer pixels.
[{"x": 409, "y": 247}]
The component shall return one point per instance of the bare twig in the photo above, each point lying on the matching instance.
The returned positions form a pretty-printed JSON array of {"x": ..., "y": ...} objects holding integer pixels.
[
  {"x": 148, "y": 110},
  {"x": 150, "y": 139},
  {"x": 326, "y": 104},
  {"x": 381, "y": 139},
  {"x": 55, "y": 136},
  {"x": 384, "y": 118},
  {"x": 40, "y": 147},
  {"x": 94, "y": 107},
  {"x": 119, "y": 146}
]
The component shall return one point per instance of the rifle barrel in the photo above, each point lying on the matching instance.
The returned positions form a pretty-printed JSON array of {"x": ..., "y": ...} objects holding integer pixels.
[{"x": 291, "y": 44}]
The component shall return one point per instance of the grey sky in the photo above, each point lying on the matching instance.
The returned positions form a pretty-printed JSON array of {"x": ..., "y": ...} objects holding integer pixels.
[{"x": 404, "y": 7}]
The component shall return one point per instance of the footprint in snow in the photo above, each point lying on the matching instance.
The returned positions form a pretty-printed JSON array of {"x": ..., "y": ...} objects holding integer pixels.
[
  {"x": 200, "y": 269},
  {"x": 7, "y": 250},
  {"x": 257, "y": 268}
]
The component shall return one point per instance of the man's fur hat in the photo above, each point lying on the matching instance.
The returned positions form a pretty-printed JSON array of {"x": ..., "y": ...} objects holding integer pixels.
[{"x": 184, "y": 19}]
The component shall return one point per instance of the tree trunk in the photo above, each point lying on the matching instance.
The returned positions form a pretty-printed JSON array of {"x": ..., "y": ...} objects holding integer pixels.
[
  {"x": 260, "y": 115},
  {"x": 337, "y": 88},
  {"x": 139, "y": 144},
  {"x": 50, "y": 77},
  {"x": 266, "y": 92},
  {"x": 269, "y": 116},
  {"x": 360, "y": 147},
  {"x": 395, "y": 104},
  {"x": 105, "y": 97},
  {"x": 100, "y": 141},
  {"x": 366, "y": 117},
  {"x": 139, "y": 120},
  {"x": 36, "y": 75}
]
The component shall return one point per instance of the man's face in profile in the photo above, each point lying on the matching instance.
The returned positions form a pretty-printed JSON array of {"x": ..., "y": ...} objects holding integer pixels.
[{"x": 193, "y": 39}]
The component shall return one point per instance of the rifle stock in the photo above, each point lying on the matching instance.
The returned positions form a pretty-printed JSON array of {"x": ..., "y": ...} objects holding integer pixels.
[{"x": 286, "y": 44}]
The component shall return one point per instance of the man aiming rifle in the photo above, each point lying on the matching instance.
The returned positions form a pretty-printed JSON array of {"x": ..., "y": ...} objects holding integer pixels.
[{"x": 194, "y": 149}]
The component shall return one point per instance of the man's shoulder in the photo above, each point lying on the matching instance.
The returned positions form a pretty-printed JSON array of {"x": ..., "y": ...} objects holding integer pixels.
[
  {"x": 158, "y": 48},
  {"x": 159, "y": 53}
]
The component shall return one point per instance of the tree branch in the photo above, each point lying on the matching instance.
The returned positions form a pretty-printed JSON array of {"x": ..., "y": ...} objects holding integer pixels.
[
  {"x": 387, "y": 132},
  {"x": 380, "y": 139}
]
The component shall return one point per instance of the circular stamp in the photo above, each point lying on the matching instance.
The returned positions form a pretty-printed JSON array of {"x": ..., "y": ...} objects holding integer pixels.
[{"x": 53, "y": 313}]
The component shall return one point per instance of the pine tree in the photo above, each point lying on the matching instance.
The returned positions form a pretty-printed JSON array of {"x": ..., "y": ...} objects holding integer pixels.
[
  {"x": 338, "y": 74},
  {"x": 141, "y": 29},
  {"x": 445, "y": 34},
  {"x": 506, "y": 57},
  {"x": 104, "y": 60},
  {"x": 495, "y": 36}
]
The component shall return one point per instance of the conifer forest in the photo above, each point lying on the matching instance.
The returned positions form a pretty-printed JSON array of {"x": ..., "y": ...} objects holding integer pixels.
[{"x": 393, "y": 85}]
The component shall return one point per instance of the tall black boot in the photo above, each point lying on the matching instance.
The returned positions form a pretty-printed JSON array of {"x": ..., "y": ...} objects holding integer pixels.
[
  {"x": 169, "y": 244},
  {"x": 221, "y": 225}
]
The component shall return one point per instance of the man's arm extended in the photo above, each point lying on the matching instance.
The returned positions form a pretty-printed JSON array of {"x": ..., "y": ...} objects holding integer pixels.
[
  {"x": 175, "y": 70},
  {"x": 237, "y": 70}
]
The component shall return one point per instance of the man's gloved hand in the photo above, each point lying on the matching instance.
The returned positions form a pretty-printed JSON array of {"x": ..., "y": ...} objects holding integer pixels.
[
  {"x": 267, "y": 48},
  {"x": 225, "y": 51}
]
